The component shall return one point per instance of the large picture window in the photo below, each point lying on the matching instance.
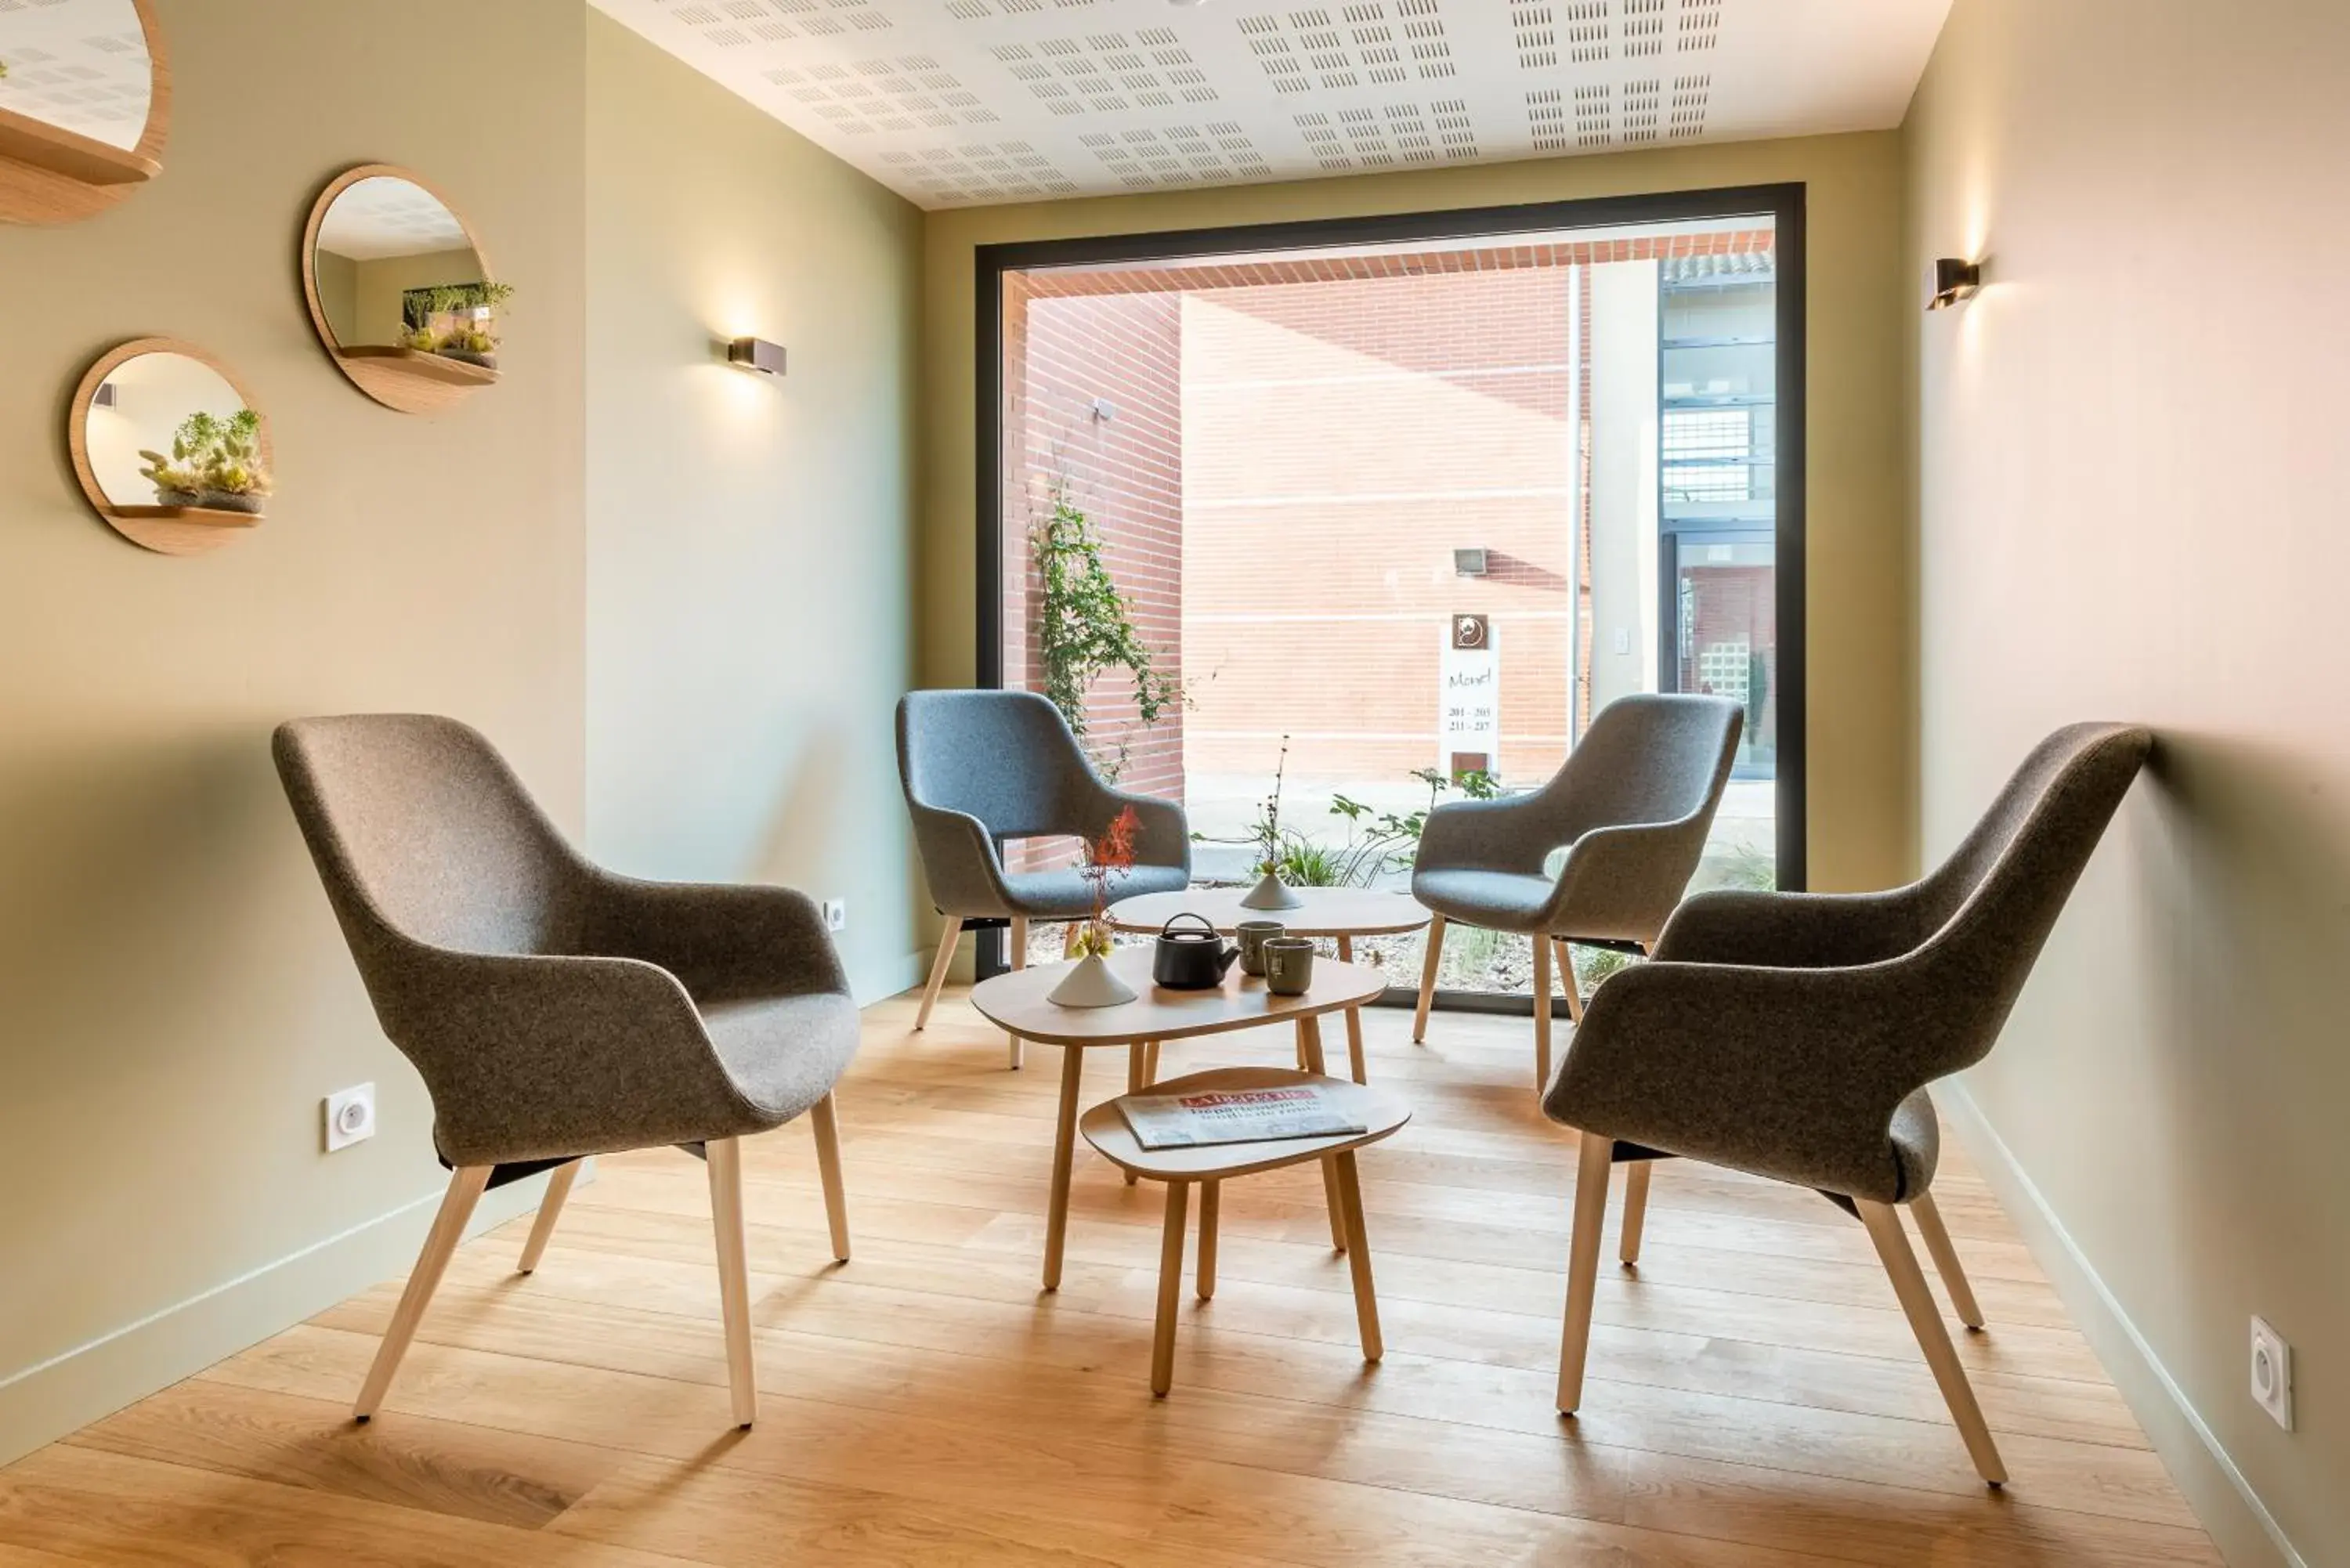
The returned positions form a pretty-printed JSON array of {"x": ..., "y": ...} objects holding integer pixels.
[{"x": 1388, "y": 510}]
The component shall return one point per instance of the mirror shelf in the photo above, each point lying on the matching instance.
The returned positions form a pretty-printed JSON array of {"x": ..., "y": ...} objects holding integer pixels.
[
  {"x": 436, "y": 368},
  {"x": 84, "y": 107},
  {"x": 402, "y": 299},
  {"x": 56, "y": 150},
  {"x": 200, "y": 517},
  {"x": 169, "y": 448}
]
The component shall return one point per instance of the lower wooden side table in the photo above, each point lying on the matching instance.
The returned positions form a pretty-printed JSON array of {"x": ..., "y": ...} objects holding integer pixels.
[{"x": 1105, "y": 1127}]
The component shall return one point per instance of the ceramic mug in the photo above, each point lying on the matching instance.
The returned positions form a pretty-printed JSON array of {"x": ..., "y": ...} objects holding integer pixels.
[
  {"x": 1253, "y": 935},
  {"x": 1288, "y": 965}
]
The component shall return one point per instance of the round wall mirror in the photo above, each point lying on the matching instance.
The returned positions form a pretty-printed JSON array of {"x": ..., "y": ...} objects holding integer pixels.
[
  {"x": 398, "y": 291},
  {"x": 169, "y": 447},
  {"x": 85, "y": 105}
]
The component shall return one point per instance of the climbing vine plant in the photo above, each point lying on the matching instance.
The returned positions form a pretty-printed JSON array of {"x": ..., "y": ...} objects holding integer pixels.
[{"x": 1085, "y": 626}]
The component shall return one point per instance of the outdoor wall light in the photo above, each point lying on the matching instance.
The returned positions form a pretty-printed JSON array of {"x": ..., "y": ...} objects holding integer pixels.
[
  {"x": 1953, "y": 281},
  {"x": 756, "y": 354},
  {"x": 1468, "y": 562}
]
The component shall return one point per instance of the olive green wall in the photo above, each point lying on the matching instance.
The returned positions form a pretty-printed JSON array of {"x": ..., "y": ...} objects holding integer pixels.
[
  {"x": 178, "y": 999},
  {"x": 749, "y": 620},
  {"x": 1859, "y": 643},
  {"x": 2129, "y": 478}
]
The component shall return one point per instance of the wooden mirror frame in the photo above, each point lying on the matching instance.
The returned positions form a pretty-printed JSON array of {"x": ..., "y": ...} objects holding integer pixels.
[
  {"x": 407, "y": 380},
  {"x": 51, "y": 175},
  {"x": 166, "y": 530}
]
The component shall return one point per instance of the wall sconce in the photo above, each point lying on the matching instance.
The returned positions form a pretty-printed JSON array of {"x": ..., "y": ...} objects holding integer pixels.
[
  {"x": 1953, "y": 281},
  {"x": 1468, "y": 562},
  {"x": 756, "y": 354}
]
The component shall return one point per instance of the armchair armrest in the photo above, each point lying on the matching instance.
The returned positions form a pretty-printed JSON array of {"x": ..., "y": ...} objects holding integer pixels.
[
  {"x": 1623, "y": 881},
  {"x": 1793, "y": 931},
  {"x": 1789, "y": 1074},
  {"x": 1484, "y": 834},
  {"x": 959, "y": 860},
  {"x": 721, "y": 939},
  {"x": 534, "y": 1057}
]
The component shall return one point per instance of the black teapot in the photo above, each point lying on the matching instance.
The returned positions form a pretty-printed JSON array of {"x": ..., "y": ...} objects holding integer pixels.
[{"x": 1189, "y": 960}]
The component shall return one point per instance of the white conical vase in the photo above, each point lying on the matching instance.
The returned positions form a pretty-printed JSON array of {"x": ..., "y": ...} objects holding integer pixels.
[
  {"x": 1092, "y": 983},
  {"x": 1270, "y": 893}
]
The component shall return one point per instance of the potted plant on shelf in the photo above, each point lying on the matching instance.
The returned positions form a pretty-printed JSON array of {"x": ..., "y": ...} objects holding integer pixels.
[
  {"x": 214, "y": 464},
  {"x": 456, "y": 321},
  {"x": 1092, "y": 984}
]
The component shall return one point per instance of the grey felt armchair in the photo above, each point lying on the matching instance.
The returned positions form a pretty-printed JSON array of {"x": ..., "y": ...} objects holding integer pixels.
[
  {"x": 1793, "y": 1036},
  {"x": 1631, "y": 808},
  {"x": 981, "y": 767},
  {"x": 555, "y": 1011}
]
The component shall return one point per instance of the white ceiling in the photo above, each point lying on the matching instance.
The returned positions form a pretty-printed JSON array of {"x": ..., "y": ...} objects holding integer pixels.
[
  {"x": 79, "y": 64},
  {"x": 387, "y": 216},
  {"x": 966, "y": 102}
]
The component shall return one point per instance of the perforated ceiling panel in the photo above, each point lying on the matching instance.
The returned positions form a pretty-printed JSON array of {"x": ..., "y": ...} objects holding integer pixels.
[{"x": 964, "y": 102}]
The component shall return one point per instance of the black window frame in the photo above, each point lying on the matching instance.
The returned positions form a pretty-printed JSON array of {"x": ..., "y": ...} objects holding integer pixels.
[{"x": 1783, "y": 204}]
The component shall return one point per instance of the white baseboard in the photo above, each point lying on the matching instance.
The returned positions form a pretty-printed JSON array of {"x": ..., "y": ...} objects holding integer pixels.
[
  {"x": 2246, "y": 1534},
  {"x": 51, "y": 1399},
  {"x": 42, "y": 1403}
]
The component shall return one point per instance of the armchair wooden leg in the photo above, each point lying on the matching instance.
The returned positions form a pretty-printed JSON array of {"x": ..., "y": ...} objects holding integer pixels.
[
  {"x": 1542, "y": 1013},
  {"x": 828, "y": 1163},
  {"x": 1636, "y": 1212},
  {"x": 465, "y": 1185},
  {"x": 1568, "y": 983},
  {"x": 1946, "y": 1259},
  {"x": 1427, "y": 968},
  {"x": 724, "y": 1157},
  {"x": 938, "y": 967},
  {"x": 1591, "y": 1174},
  {"x": 542, "y": 1230},
  {"x": 1925, "y": 1322},
  {"x": 1019, "y": 960}
]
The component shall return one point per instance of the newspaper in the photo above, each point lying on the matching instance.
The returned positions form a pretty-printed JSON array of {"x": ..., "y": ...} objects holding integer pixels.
[{"x": 1236, "y": 1115}]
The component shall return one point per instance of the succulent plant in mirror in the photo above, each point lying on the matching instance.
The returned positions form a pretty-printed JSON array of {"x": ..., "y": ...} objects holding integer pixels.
[
  {"x": 456, "y": 321},
  {"x": 215, "y": 463}
]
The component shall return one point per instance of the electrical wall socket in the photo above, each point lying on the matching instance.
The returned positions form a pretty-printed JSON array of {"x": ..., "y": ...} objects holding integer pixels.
[
  {"x": 835, "y": 914},
  {"x": 351, "y": 1116},
  {"x": 2272, "y": 1373}
]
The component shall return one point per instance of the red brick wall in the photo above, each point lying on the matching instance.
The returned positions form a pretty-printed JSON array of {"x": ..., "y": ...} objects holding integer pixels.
[
  {"x": 1124, "y": 473},
  {"x": 1288, "y": 548},
  {"x": 1342, "y": 439}
]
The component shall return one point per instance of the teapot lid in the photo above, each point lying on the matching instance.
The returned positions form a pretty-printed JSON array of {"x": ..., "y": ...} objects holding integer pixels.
[{"x": 1206, "y": 933}]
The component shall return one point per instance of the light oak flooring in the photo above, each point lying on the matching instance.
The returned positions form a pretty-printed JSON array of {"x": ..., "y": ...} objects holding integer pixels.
[{"x": 1755, "y": 1398}]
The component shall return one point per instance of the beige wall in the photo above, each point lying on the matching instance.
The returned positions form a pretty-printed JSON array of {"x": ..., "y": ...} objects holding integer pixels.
[
  {"x": 178, "y": 999},
  {"x": 2130, "y": 507},
  {"x": 749, "y": 553},
  {"x": 1858, "y": 645}
]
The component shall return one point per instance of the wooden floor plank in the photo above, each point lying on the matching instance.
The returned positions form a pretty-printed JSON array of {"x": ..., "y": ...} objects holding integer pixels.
[{"x": 1755, "y": 1397}]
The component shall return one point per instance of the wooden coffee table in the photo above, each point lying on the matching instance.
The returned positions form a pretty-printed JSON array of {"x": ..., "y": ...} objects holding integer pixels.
[
  {"x": 1344, "y": 913},
  {"x": 1017, "y": 1001},
  {"x": 1107, "y": 1129}
]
